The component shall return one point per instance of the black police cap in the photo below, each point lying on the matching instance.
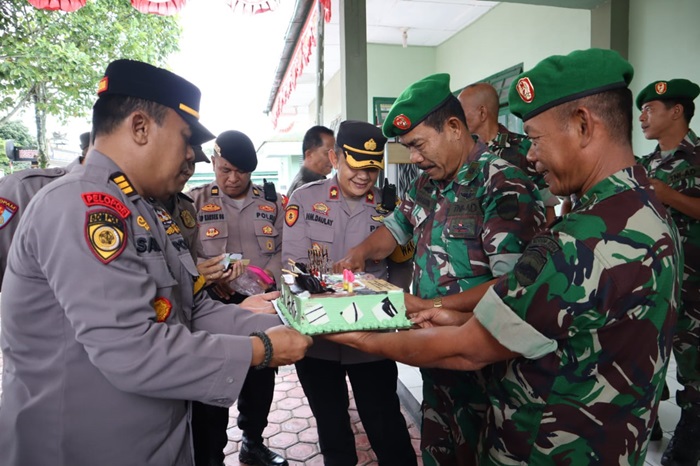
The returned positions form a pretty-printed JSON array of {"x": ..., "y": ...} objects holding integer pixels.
[
  {"x": 363, "y": 144},
  {"x": 237, "y": 149},
  {"x": 141, "y": 80}
]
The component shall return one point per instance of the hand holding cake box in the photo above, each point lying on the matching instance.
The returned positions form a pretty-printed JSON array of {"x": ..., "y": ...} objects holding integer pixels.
[{"x": 340, "y": 302}]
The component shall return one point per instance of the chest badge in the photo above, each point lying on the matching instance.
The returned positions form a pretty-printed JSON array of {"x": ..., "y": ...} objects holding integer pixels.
[
  {"x": 212, "y": 232},
  {"x": 321, "y": 208},
  {"x": 140, "y": 221},
  {"x": 267, "y": 230},
  {"x": 187, "y": 219},
  {"x": 210, "y": 208}
]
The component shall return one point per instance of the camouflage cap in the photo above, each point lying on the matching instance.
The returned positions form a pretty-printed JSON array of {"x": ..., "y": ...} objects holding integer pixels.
[
  {"x": 562, "y": 78},
  {"x": 668, "y": 90},
  {"x": 415, "y": 103},
  {"x": 362, "y": 143},
  {"x": 237, "y": 149}
]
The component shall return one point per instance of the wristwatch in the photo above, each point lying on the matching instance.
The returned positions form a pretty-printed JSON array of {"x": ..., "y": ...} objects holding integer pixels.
[{"x": 437, "y": 302}]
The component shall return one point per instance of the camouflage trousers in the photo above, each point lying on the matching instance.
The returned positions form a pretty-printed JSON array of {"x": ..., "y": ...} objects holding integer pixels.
[
  {"x": 686, "y": 349},
  {"x": 453, "y": 409}
]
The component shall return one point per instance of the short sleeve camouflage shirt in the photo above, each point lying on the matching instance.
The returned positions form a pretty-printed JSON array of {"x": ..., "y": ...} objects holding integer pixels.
[
  {"x": 470, "y": 229},
  {"x": 591, "y": 306}
]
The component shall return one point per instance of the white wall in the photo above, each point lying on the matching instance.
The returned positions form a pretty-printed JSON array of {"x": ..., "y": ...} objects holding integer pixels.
[
  {"x": 664, "y": 44},
  {"x": 510, "y": 34}
]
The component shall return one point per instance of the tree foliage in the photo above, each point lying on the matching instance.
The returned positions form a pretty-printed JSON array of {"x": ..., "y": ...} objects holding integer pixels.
[
  {"x": 55, "y": 59},
  {"x": 19, "y": 134}
]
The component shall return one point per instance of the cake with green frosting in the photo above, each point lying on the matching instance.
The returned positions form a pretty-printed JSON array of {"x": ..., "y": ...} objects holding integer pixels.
[{"x": 367, "y": 304}]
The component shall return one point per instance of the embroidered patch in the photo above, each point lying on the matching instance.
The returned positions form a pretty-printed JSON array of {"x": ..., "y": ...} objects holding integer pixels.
[
  {"x": 8, "y": 209},
  {"x": 210, "y": 208},
  {"x": 321, "y": 208},
  {"x": 507, "y": 207},
  {"x": 214, "y": 190},
  {"x": 333, "y": 193},
  {"x": 370, "y": 197},
  {"x": 267, "y": 230},
  {"x": 140, "y": 221},
  {"x": 105, "y": 200},
  {"x": 105, "y": 234},
  {"x": 533, "y": 260},
  {"x": 170, "y": 226},
  {"x": 661, "y": 87},
  {"x": 266, "y": 208},
  {"x": 285, "y": 201},
  {"x": 402, "y": 122},
  {"x": 212, "y": 232},
  {"x": 526, "y": 90},
  {"x": 256, "y": 192},
  {"x": 291, "y": 215},
  {"x": 187, "y": 219},
  {"x": 162, "y": 306},
  {"x": 270, "y": 245}
]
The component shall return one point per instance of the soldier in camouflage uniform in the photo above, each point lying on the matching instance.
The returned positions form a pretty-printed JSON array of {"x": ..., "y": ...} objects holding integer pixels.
[
  {"x": 674, "y": 168},
  {"x": 480, "y": 103},
  {"x": 578, "y": 335},
  {"x": 470, "y": 215}
]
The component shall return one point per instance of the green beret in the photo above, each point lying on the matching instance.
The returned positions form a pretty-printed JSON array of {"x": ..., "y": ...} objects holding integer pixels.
[
  {"x": 562, "y": 78},
  {"x": 675, "y": 89},
  {"x": 415, "y": 103}
]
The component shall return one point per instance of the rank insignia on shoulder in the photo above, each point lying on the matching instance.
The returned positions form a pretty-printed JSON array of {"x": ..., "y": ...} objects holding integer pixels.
[
  {"x": 106, "y": 234},
  {"x": 105, "y": 200},
  {"x": 256, "y": 192},
  {"x": 212, "y": 232},
  {"x": 370, "y": 197},
  {"x": 162, "y": 306},
  {"x": 8, "y": 209},
  {"x": 187, "y": 219},
  {"x": 333, "y": 193},
  {"x": 140, "y": 221},
  {"x": 214, "y": 190},
  {"x": 210, "y": 208},
  {"x": 123, "y": 183},
  {"x": 291, "y": 215}
]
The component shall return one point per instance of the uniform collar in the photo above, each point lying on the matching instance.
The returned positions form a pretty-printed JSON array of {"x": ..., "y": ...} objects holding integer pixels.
[
  {"x": 687, "y": 147},
  {"x": 621, "y": 181}
]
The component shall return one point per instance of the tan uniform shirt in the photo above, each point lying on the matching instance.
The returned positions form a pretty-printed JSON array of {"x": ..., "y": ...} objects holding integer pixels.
[
  {"x": 254, "y": 229},
  {"x": 319, "y": 215}
]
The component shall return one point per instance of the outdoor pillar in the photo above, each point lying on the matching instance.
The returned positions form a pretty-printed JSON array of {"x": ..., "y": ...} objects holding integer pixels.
[
  {"x": 353, "y": 59},
  {"x": 610, "y": 26}
]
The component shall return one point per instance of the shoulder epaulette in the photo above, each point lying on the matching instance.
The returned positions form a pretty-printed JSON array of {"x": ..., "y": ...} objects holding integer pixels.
[
  {"x": 40, "y": 172},
  {"x": 123, "y": 183}
]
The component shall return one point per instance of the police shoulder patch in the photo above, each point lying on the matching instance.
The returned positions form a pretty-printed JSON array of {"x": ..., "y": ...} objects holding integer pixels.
[
  {"x": 533, "y": 260},
  {"x": 162, "y": 306},
  {"x": 105, "y": 232},
  {"x": 291, "y": 215},
  {"x": 8, "y": 209}
]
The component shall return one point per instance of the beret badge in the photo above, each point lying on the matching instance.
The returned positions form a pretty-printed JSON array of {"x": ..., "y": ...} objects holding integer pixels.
[
  {"x": 402, "y": 122},
  {"x": 526, "y": 90},
  {"x": 661, "y": 87},
  {"x": 370, "y": 145}
]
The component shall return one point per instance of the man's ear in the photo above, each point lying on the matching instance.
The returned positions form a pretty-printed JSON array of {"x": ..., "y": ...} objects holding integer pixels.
[
  {"x": 677, "y": 111},
  {"x": 140, "y": 126},
  {"x": 334, "y": 158},
  {"x": 453, "y": 127},
  {"x": 585, "y": 124}
]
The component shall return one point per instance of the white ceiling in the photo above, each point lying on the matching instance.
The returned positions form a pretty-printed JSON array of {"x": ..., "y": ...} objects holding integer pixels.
[{"x": 427, "y": 23}]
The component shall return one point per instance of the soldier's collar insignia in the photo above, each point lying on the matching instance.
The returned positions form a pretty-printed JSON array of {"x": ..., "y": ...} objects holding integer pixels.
[
  {"x": 162, "y": 306},
  {"x": 170, "y": 226},
  {"x": 8, "y": 209},
  {"x": 370, "y": 197},
  {"x": 333, "y": 193},
  {"x": 291, "y": 215},
  {"x": 105, "y": 200},
  {"x": 187, "y": 219},
  {"x": 214, "y": 190},
  {"x": 123, "y": 182},
  {"x": 105, "y": 232}
]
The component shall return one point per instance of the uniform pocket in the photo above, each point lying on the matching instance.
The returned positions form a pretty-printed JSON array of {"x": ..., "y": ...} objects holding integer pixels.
[{"x": 268, "y": 237}]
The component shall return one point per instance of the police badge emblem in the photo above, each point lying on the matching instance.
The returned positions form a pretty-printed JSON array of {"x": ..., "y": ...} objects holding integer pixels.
[{"x": 106, "y": 234}]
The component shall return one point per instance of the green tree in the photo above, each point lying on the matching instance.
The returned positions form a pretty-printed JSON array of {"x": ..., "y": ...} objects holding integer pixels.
[
  {"x": 20, "y": 136},
  {"x": 53, "y": 60}
]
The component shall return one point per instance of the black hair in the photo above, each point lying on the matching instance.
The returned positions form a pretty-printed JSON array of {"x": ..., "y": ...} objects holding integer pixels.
[
  {"x": 109, "y": 111},
  {"x": 312, "y": 138},
  {"x": 450, "y": 108},
  {"x": 688, "y": 107}
]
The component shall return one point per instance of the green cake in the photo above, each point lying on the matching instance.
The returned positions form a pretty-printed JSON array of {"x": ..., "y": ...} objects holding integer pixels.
[{"x": 372, "y": 304}]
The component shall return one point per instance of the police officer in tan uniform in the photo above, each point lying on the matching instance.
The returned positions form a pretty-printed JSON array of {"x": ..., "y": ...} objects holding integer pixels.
[
  {"x": 338, "y": 214},
  {"x": 237, "y": 216},
  {"x": 17, "y": 189},
  {"x": 105, "y": 330}
]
